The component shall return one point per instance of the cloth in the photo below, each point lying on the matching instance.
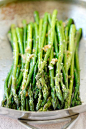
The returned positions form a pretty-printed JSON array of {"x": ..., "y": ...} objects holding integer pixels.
[{"x": 9, "y": 123}]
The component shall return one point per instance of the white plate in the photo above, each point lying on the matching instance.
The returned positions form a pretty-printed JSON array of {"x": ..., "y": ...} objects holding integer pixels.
[{"x": 14, "y": 13}]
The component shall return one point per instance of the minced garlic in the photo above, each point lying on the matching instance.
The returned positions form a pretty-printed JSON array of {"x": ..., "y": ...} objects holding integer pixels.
[
  {"x": 46, "y": 47},
  {"x": 23, "y": 57},
  {"x": 50, "y": 67},
  {"x": 27, "y": 49},
  {"x": 23, "y": 87},
  {"x": 53, "y": 61}
]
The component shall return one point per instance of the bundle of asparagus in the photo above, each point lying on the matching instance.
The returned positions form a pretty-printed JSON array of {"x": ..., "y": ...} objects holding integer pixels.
[{"x": 45, "y": 74}]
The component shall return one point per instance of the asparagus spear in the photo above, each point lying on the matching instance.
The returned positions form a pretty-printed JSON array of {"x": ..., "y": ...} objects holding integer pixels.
[
  {"x": 9, "y": 83},
  {"x": 54, "y": 98},
  {"x": 35, "y": 88},
  {"x": 44, "y": 86},
  {"x": 25, "y": 35},
  {"x": 65, "y": 55},
  {"x": 34, "y": 75},
  {"x": 71, "y": 81},
  {"x": 18, "y": 71},
  {"x": 39, "y": 45},
  {"x": 64, "y": 87},
  {"x": 29, "y": 45},
  {"x": 71, "y": 44},
  {"x": 6, "y": 93},
  {"x": 53, "y": 94},
  {"x": 31, "y": 101},
  {"x": 78, "y": 37},
  {"x": 27, "y": 104},
  {"x": 19, "y": 36},
  {"x": 68, "y": 23},
  {"x": 67, "y": 29},
  {"x": 16, "y": 56},
  {"x": 65, "y": 91},
  {"x": 55, "y": 38},
  {"x": 10, "y": 38},
  {"x": 36, "y": 91},
  {"x": 76, "y": 98},
  {"x": 36, "y": 17},
  {"x": 21, "y": 32},
  {"x": 58, "y": 65},
  {"x": 35, "y": 56},
  {"x": 47, "y": 105},
  {"x": 39, "y": 100},
  {"x": 42, "y": 39}
]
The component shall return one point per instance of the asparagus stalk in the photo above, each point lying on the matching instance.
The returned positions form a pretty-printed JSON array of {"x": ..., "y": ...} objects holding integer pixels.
[
  {"x": 71, "y": 81},
  {"x": 39, "y": 100},
  {"x": 51, "y": 72},
  {"x": 55, "y": 39},
  {"x": 25, "y": 35},
  {"x": 40, "y": 56},
  {"x": 18, "y": 70},
  {"x": 34, "y": 75},
  {"x": 31, "y": 101},
  {"x": 39, "y": 47},
  {"x": 64, "y": 87},
  {"x": 6, "y": 93},
  {"x": 78, "y": 37},
  {"x": 21, "y": 32},
  {"x": 44, "y": 87},
  {"x": 47, "y": 105},
  {"x": 9, "y": 83},
  {"x": 19, "y": 36},
  {"x": 76, "y": 97},
  {"x": 65, "y": 91},
  {"x": 58, "y": 65},
  {"x": 41, "y": 42},
  {"x": 71, "y": 45},
  {"x": 36, "y": 17},
  {"x": 29, "y": 46},
  {"x": 10, "y": 38},
  {"x": 16, "y": 56},
  {"x": 27, "y": 104},
  {"x": 36, "y": 91},
  {"x": 68, "y": 23},
  {"x": 35, "y": 56},
  {"x": 65, "y": 55}
]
